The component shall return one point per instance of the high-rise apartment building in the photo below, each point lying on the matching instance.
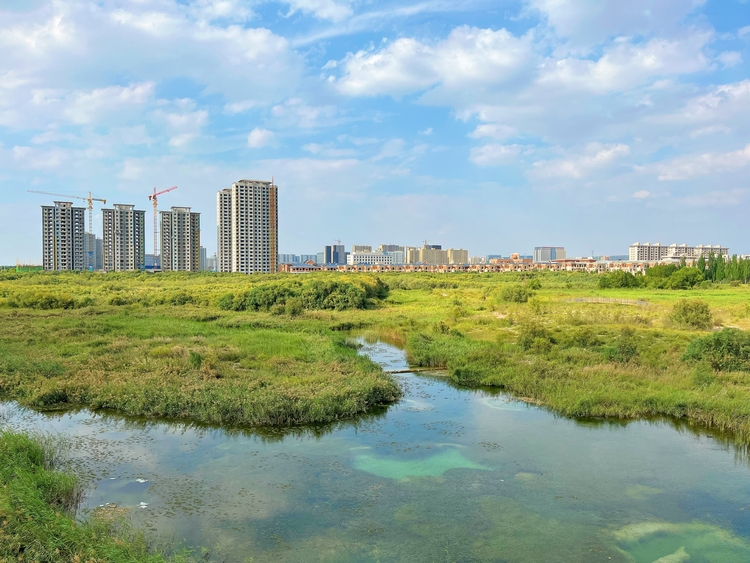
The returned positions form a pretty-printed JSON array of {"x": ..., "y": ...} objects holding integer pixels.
[
  {"x": 92, "y": 250},
  {"x": 124, "y": 238},
  {"x": 334, "y": 254},
  {"x": 180, "y": 240},
  {"x": 549, "y": 253},
  {"x": 390, "y": 248},
  {"x": 647, "y": 251},
  {"x": 63, "y": 237},
  {"x": 361, "y": 248},
  {"x": 248, "y": 225},
  {"x": 204, "y": 259}
]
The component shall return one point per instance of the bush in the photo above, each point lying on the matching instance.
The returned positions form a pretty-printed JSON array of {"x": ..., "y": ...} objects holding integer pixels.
[
  {"x": 516, "y": 294},
  {"x": 534, "y": 284},
  {"x": 685, "y": 278},
  {"x": 625, "y": 348},
  {"x": 536, "y": 337},
  {"x": 692, "y": 314},
  {"x": 725, "y": 350},
  {"x": 618, "y": 279},
  {"x": 294, "y": 307}
]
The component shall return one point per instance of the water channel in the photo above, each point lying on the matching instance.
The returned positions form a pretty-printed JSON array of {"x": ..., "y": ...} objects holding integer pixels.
[{"x": 447, "y": 475}]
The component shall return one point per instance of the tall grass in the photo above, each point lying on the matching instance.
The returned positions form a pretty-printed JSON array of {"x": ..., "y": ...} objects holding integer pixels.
[{"x": 37, "y": 520}]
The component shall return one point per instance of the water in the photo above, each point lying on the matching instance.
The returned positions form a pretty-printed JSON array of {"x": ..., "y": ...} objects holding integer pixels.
[{"x": 447, "y": 475}]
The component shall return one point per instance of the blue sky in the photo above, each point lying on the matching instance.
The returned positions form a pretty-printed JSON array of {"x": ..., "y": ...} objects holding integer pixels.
[{"x": 495, "y": 126}]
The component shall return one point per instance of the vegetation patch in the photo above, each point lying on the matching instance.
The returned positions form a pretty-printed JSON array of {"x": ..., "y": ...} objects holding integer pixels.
[{"x": 37, "y": 513}]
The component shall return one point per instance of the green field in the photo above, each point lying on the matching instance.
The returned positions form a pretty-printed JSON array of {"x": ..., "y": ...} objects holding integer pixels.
[{"x": 277, "y": 350}]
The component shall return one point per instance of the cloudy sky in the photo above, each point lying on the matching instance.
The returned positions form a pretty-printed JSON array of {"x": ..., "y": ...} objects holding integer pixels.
[{"x": 492, "y": 125}]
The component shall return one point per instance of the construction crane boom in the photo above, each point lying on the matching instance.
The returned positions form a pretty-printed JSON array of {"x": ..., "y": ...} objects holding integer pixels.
[
  {"x": 90, "y": 200},
  {"x": 153, "y": 198}
]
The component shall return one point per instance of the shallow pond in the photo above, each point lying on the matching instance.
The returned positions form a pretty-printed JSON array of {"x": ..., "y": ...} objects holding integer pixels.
[{"x": 446, "y": 475}]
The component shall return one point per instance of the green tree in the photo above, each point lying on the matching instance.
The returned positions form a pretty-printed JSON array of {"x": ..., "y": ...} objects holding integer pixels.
[
  {"x": 685, "y": 278},
  {"x": 702, "y": 265}
]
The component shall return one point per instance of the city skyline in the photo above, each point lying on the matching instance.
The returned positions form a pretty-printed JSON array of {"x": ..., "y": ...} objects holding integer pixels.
[{"x": 569, "y": 122}]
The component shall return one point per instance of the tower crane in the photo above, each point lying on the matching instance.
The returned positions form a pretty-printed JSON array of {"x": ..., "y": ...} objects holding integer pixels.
[
  {"x": 90, "y": 200},
  {"x": 153, "y": 199}
]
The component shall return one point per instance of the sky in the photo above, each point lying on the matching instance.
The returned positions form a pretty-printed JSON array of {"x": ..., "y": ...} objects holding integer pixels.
[{"x": 495, "y": 126}]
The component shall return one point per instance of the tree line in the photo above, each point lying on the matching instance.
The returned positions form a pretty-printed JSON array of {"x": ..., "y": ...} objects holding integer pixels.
[{"x": 714, "y": 269}]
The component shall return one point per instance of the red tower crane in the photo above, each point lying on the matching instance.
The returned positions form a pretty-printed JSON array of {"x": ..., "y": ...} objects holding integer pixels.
[{"x": 153, "y": 198}]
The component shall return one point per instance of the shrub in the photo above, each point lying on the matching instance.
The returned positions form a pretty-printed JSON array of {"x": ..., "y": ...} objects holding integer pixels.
[
  {"x": 294, "y": 307},
  {"x": 625, "y": 348},
  {"x": 692, "y": 314},
  {"x": 618, "y": 279},
  {"x": 534, "y": 284},
  {"x": 725, "y": 350},
  {"x": 685, "y": 278},
  {"x": 516, "y": 294},
  {"x": 225, "y": 302},
  {"x": 531, "y": 336}
]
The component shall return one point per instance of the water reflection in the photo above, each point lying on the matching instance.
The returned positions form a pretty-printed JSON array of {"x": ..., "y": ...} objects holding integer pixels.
[{"x": 448, "y": 474}]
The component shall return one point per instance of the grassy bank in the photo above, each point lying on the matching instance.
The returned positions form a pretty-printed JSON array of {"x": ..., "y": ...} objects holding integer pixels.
[
  {"x": 272, "y": 350},
  {"x": 36, "y": 513}
]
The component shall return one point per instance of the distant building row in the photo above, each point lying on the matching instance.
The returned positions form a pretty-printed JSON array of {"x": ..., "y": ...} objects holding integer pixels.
[
  {"x": 647, "y": 251},
  {"x": 122, "y": 248}
]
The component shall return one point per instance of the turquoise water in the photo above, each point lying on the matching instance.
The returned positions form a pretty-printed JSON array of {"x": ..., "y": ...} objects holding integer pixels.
[{"x": 446, "y": 475}]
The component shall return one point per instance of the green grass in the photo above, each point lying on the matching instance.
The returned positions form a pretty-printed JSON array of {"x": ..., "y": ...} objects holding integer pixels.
[
  {"x": 189, "y": 358},
  {"x": 37, "y": 504}
]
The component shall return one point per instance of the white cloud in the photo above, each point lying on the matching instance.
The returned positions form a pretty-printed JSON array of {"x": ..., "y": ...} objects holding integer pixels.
[
  {"x": 492, "y": 130},
  {"x": 467, "y": 58},
  {"x": 596, "y": 156},
  {"x": 684, "y": 168},
  {"x": 641, "y": 194},
  {"x": 588, "y": 22},
  {"x": 328, "y": 151},
  {"x": 627, "y": 64},
  {"x": 260, "y": 138},
  {"x": 295, "y": 112},
  {"x": 495, "y": 154},
  {"x": 730, "y": 58},
  {"x": 323, "y": 9},
  {"x": 85, "y": 107},
  {"x": 427, "y": 131},
  {"x": 744, "y": 32}
]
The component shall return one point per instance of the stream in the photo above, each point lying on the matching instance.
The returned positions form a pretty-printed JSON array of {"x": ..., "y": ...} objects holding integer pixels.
[{"x": 448, "y": 474}]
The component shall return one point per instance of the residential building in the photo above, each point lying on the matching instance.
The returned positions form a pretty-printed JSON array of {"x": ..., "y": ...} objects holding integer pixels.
[
  {"x": 647, "y": 251},
  {"x": 320, "y": 257},
  {"x": 548, "y": 253},
  {"x": 305, "y": 258},
  {"x": 477, "y": 260},
  {"x": 457, "y": 256},
  {"x": 356, "y": 258},
  {"x": 63, "y": 237},
  {"x": 248, "y": 224},
  {"x": 397, "y": 255},
  {"x": 224, "y": 230},
  {"x": 361, "y": 248},
  {"x": 180, "y": 240},
  {"x": 92, "y": 250},
  {"x": 204, "y": 259},
  {"x": 212, "y": 263},
  {"x": 152, "y": 262},
  {"x": 289, "y": 259},
  {"x": 390, "y": 248},
  {"x": 411, "y": 255},
  {"x": 334, "y": 254},
  {"x": 124, "y": 238}
]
